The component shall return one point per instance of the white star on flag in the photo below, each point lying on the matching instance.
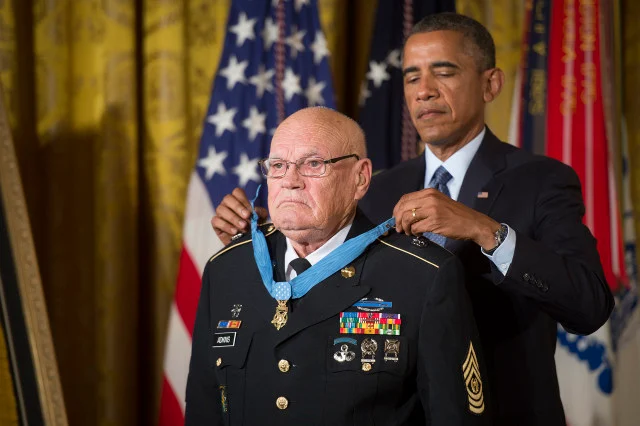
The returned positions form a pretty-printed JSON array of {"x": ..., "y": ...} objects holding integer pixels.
[
  {"x": 234, "y": 72},
  {"x": 262, "y": 81},
  {"x": 393, "y": 58},
  {"x": 255, "y": 123},
  {"x": 378, "y": 73},
  {"x": 295, "y": 41},
  {"x": 269, "y": 33},
  {"x": 243, "y": 29},
  {"x": 314, "y": 92},
  {"x": 365, "y": 93},
  {"x": 213, "y": 163},
  {"x": 247, "y": 170},
  {"x": 291, "y": 84},
  {"x": 319, "y": 47},
  {"x": 223, "y": 119},
  {"x": 299, "y": 3}
]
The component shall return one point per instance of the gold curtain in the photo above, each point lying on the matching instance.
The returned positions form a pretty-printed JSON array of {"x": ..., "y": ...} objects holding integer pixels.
[
  {"x": 107, "y": 99},
  {"x": 630, "y": 89},
  {"x": 504, "y": 19}
]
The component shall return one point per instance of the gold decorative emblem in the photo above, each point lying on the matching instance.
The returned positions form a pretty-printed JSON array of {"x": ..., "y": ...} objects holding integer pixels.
[
  {"x": 348, "y": 271},
  {"x": 473, "y": 382},
  {"x": 280, "y": 318},
  {"x": 366, "y": 367},
  {"x": 223, "y": 398},
  {"x": 282, "y": 403},
  {"x": 391, "y": 349},
  {"x": 283, "y": 365}
]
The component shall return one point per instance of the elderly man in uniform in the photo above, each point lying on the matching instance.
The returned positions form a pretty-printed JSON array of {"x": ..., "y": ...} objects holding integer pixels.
[{"x": 323, "y": 318}]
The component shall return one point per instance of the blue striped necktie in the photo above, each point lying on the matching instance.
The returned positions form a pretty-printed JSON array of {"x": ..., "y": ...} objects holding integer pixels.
[{"x": 439, "y": 182}]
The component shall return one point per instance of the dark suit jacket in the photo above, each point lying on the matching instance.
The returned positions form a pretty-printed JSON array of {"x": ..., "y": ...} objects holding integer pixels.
[
  {"x": 235, "y": 378},
  {"x": 555, "y": 277}
]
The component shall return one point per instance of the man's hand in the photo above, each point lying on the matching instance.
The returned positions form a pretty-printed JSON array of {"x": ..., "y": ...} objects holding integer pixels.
[
  {"x": 233, "y": 215},
  {"x": 429, "y": 210}
]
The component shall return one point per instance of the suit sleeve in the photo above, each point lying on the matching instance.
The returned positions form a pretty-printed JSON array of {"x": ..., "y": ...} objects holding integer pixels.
[
  {"x": 202, "y": 398},
  {"x": 560, "y": 266},
  {"x": 452, "y": 377}
]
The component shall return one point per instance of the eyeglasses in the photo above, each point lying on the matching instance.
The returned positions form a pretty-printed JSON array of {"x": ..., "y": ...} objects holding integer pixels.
[{"x": 307, "y": 166}]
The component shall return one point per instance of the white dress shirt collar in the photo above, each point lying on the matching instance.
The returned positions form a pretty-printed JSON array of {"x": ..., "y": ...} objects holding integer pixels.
[
  {"x": 317, "y": 255},
  {"x": 456, "y": 165}
]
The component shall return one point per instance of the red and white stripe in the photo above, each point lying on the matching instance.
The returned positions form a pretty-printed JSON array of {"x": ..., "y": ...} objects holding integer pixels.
[{"x": 199, "y": 243}]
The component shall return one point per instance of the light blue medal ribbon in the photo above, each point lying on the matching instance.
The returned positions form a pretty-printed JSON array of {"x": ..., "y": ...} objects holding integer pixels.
[{"x": 300, "y": 285}]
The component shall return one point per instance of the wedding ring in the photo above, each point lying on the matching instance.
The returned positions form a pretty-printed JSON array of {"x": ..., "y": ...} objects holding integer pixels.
[{"x": 413, "y": 213}]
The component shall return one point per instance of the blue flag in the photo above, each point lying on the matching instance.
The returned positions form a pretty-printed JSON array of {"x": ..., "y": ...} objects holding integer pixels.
[{"x": 381, "y": 94}]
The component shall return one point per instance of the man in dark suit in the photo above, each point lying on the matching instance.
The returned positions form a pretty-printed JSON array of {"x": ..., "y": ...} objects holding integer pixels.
[
  {"x": 388, "y": 337},
  {"x": 514, "y": 219}
]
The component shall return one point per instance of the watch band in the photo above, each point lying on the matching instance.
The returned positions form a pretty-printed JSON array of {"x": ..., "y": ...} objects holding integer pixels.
[{"x": 500, "y": 235}]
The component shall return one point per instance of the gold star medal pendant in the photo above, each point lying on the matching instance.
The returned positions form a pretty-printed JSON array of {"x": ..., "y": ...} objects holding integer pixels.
[{"x": 280, "y": 317}]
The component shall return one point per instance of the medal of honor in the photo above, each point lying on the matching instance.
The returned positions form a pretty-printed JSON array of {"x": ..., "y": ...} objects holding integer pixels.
[
  {"x": 301, "y": 284},
  {"x": 280, "y": 317}
]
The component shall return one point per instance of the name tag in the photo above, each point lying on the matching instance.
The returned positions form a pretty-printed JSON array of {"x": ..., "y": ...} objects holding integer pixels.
[{"x": 221, "y": 340}]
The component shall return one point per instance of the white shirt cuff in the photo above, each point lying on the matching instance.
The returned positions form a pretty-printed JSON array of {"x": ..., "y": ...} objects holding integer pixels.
[{"x": 503, "y": 256}]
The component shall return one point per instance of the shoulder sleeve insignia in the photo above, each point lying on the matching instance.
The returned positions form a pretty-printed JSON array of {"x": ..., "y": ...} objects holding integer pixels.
[{"x": 473, "y": 382}]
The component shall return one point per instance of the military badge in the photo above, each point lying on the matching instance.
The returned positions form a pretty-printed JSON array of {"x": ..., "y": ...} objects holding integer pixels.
[
  {"x": 391, "y": 349},
  {"x": 369, "y": 348},
  {"x": 344, "y": 354},
  {"x": 372, "y": 305},
  {"x": 235, "y": 311},
  {"x": 473, "y": 382},
  {"x": 229, "y": 324},
  {"x": 370, "y": 323}
]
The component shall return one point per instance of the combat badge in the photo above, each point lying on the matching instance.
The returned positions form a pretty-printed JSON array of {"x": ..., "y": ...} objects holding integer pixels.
[
  {"x": 372, "y": 305},
  {"x": 391, "y": 349},
  {"x": 473, "y": 382}
]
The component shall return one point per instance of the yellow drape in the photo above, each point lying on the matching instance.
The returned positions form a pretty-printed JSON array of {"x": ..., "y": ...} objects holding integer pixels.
[{"x": 504, "y": 19}]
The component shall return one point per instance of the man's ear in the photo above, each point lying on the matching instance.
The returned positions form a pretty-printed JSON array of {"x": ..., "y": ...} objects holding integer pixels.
[
  {"x": 494, "y": 80},
  {"x": 363, "y": 179}
]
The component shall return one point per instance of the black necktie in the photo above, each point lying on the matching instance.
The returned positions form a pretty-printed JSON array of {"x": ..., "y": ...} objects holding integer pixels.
[{"x": 300, "y": 265}]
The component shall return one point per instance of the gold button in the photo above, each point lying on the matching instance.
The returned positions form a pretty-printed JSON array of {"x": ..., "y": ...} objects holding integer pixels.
[
  {"x": 284, "y": 365},
  {"x": 348, "y": 271},
  {"x": 219, "y": 362},
  {"x": 282, "y": 403},
  {"x": 366, "y": 366}
]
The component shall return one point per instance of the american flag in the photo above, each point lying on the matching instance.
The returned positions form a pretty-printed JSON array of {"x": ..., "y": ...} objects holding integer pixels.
[
  {"x": 391, "y": 137},
  {"x": 274, "y": 62}
]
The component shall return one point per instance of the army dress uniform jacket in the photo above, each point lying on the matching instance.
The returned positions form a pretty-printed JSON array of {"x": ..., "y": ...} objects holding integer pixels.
[
  {"x": 555, "y": 275},
  {"x": 425, "y": 367}
]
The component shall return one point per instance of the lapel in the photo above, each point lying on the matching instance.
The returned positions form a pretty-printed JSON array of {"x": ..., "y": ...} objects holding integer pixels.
[
  {"x": 330, "y": 297},
  {"x": 488, "y": 162},
  {"x": 413, "y": 179}
]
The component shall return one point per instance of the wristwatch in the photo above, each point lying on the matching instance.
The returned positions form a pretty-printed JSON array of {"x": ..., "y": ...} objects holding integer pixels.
[{"x": 500, "y": 235}]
